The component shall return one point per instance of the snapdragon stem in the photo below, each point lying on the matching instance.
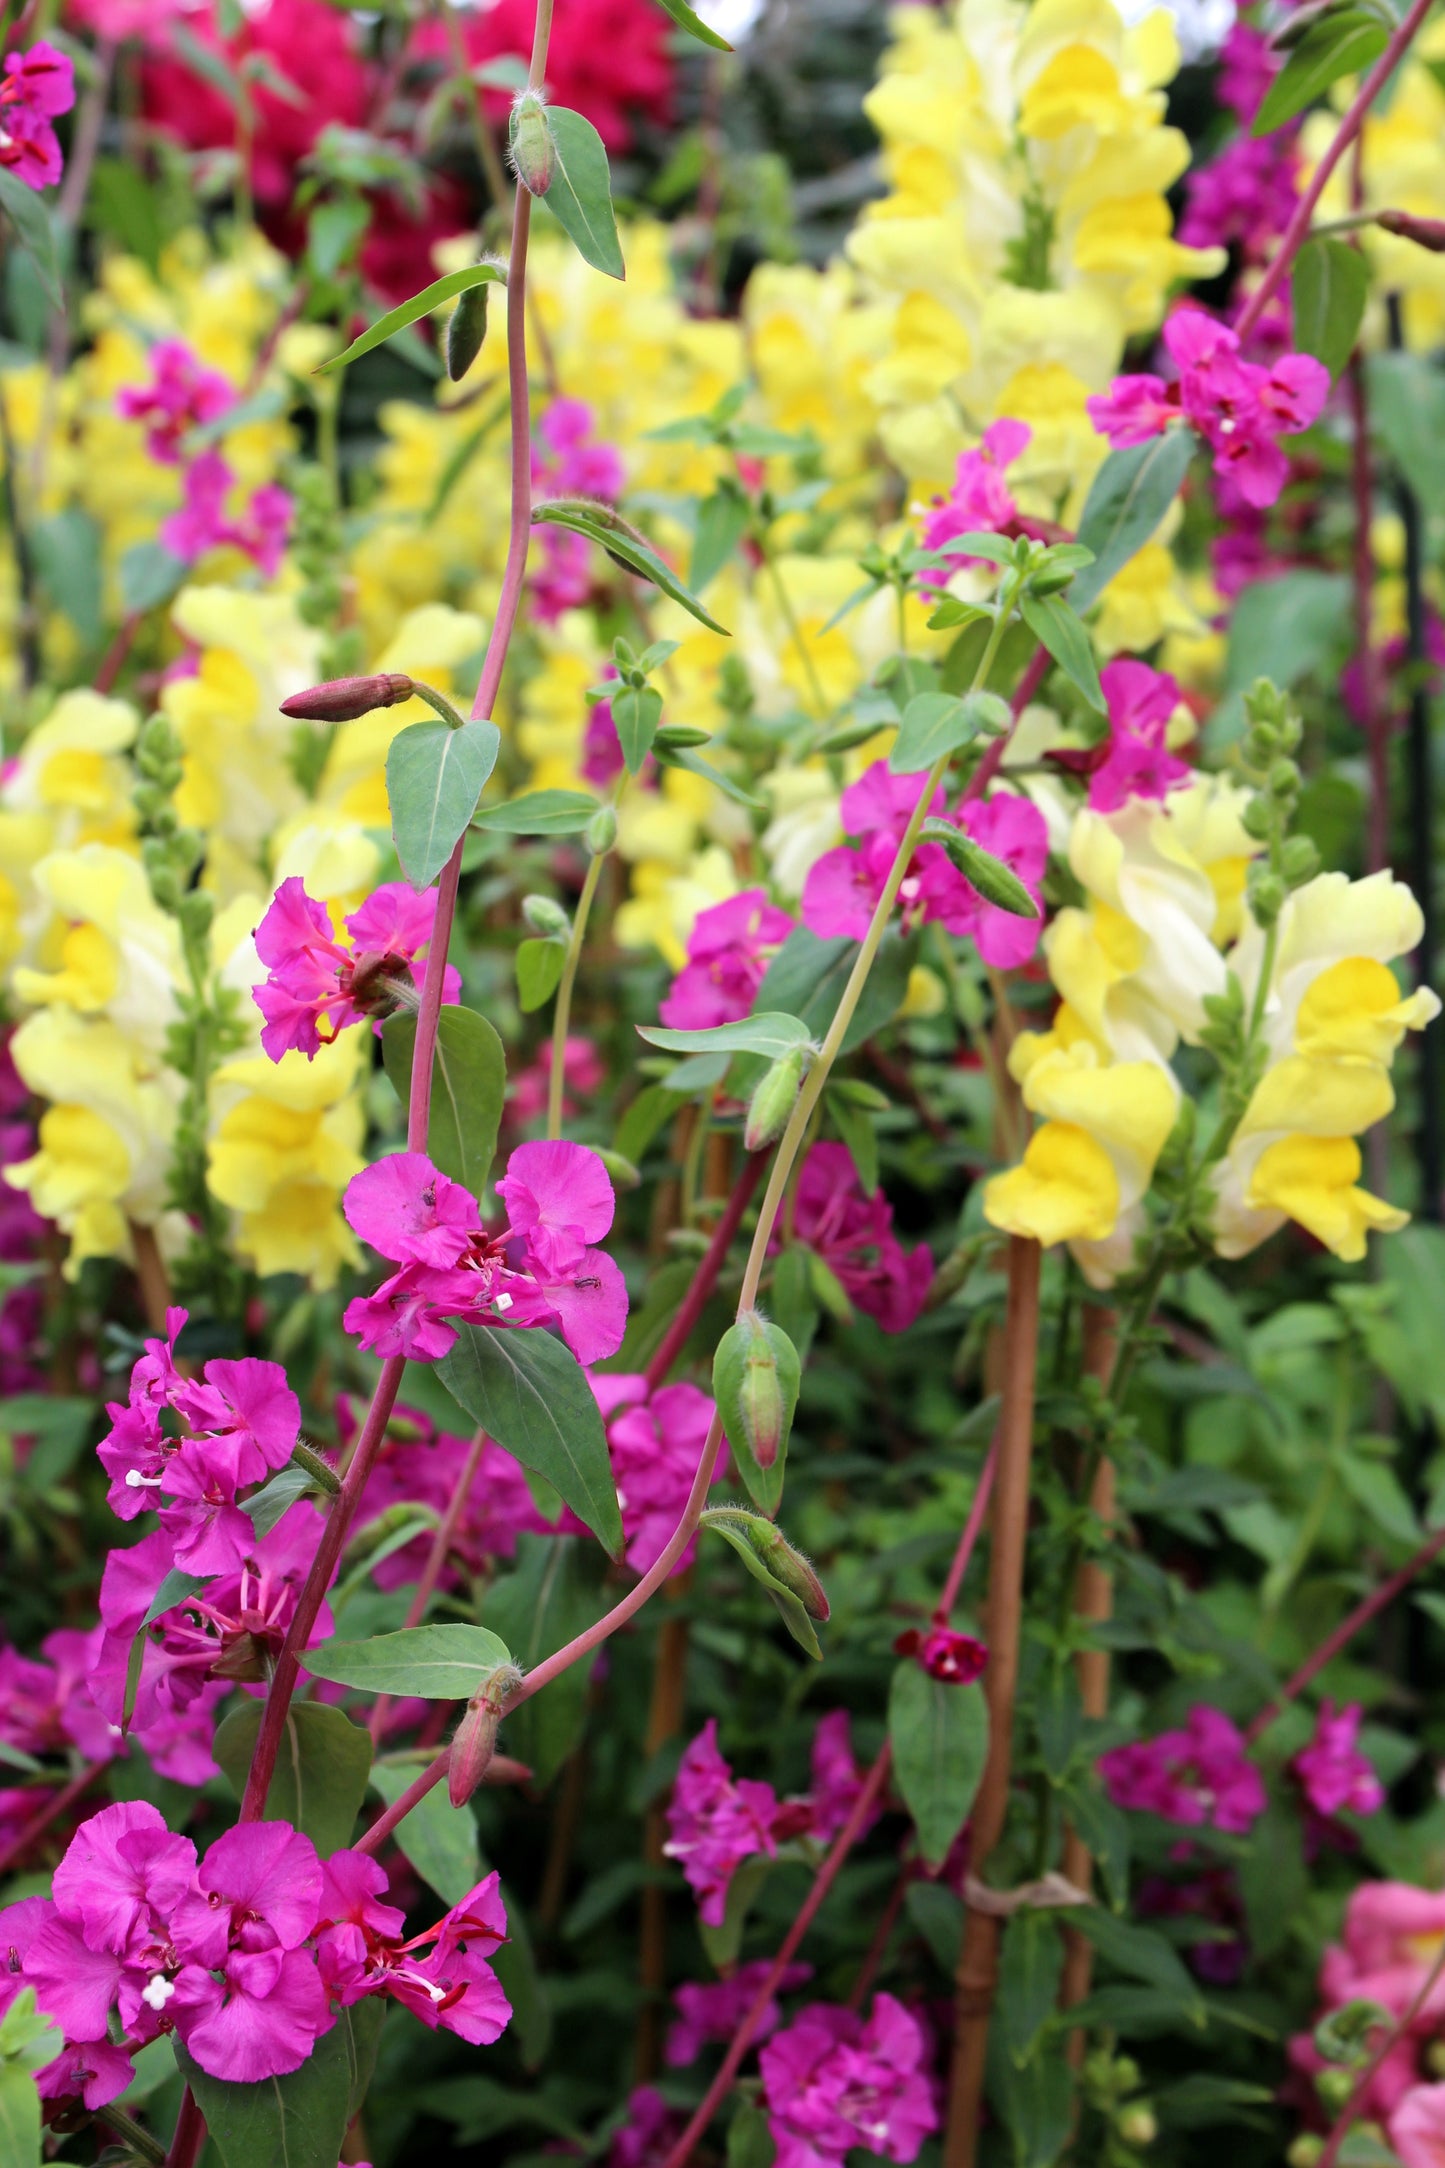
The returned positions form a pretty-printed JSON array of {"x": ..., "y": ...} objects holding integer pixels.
[{"x": 562, "y": 1014}]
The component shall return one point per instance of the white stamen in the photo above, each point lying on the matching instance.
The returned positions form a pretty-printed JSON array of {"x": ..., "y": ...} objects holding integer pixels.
[
  {"x": 158, "y": 1991},
  {"x": 134, "y": 1480},
  {"x": 503, "y": 1302}
]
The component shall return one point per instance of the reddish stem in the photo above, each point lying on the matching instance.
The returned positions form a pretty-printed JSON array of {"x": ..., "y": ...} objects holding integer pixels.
[
  {"x": 1330, "y": 1647},
  {"x": 189, "y": 2135},
  {"x": 675, "y": 1339},
  {"x": 51, "y": 1812},
  {"x": 1297, "y": 231},
  {"x": 436, "y": 1559},
  {"x": 992, "y": 761}
]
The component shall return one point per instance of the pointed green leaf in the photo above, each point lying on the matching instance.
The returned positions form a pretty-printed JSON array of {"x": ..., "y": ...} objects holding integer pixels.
[
  {"x": 1130, "y": 495},
  {"x": 434, "y": 777},
  {"x": 938, "y": 723},
  {"x": 553, "y": 1593},
  {"x": 298, "y": 2121},
  {"x": 722, "y": 521},
  {"x": 407, "y": 312},
  {"x": 636, "y": 711},
  {"x": 539, "y": 813},
  {"x": 529, "y": 1392},
  {"x": 26, "y": 210},
  {"x": 1050, "y": 619},
  {"x": 540, "y": 964},
  {"x": 694, "y": 25},
  {"x": 685, "y": 756},
  {"x": 939, "y": 1735},
  {"x": 321, "y": 1770},
  {"x": 174, "y": 1589},
  {"x": 468, "y": 1088},
  {"x": 600, "y": 524},
  {"x": 19, "y": 2112},
  {"x": 1342, "y": 43},
  {"x": 1329, "y": 286},
  {"x": 581, "y": 192},
  {"x": 436, "y": 1663},
  {"x": 771, "y": 1035}
]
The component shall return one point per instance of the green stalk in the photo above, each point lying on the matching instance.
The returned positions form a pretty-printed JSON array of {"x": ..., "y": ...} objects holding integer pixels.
[{"x": 562, "y": 1014}]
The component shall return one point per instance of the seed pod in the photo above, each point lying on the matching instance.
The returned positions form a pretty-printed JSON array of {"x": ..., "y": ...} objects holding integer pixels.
[
  {"x": 475, "y": 1738},
  {"x": 774, "y": 1100},
  {"x": 343, "y": 700},
  {"x": 466, "y": 331},
  {"x": 534, "y": 153}
]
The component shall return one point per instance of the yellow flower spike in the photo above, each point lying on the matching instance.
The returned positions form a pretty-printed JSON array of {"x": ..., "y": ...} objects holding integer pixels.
[
  {"x": 1313, "y": 1181},
  {"x": 287, "y": 1139}
]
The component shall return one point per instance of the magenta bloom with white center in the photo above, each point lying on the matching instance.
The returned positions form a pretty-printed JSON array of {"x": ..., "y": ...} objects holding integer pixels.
[
  {"x": 1333, "y": 1774},
  {"x": 1199, "y": 1775},
  {"x": 832, "y": 2083},
  {"x": 318, "y": 985},
  {"x": 715, "y": 1822},
  {"x": 853, "y": 1234}
]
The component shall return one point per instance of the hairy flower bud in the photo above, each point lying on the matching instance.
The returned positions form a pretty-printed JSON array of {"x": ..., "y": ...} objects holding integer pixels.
[
  {"x": 601, "y": 831},
  {"x": 545, "y": 916},
  {"x": 343, "y": 700},
  {"x": 787, "y": 1566},
  {"x": 681, "y": 737},
  {"x": 774, "y": 1100},
  {"x": 467, "y": 330},
  {"x": 534, "y": 153},
  {"x": 475, "y": 1738},
  {"x": 760, "y": 1391},
  {"x": 997, "y": 883}
]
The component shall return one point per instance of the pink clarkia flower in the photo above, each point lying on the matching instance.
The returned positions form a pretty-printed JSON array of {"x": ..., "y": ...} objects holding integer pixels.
[
  {"x": 946, "y": 1653},
  {"x": 318, "y": 985},
  {"x": 655, "y": 1442},
  {"x": 1243, "y": 198},
  {"x": 442, "y": 1975},
  {"x": 715, "y": 1822},
  {"x": 543, "y": 1269},
  {"x": 1334, "y": 1775},
  {"x": 832, "y": 2083},
  {"x": 203, "y": 523},
  {"x": 836, "y": 1778},
  {"x": 1138, "y": 763},
  {"x": 182, "y": 395},
  {"x": 713, "y": 2011},
  {"x": 842, "y": 889},
  {"x": 853, "y": 1234},
  {"x": 36, "y": 87},
  {"x": 980, "y": 501},
  {"x": 1009, "y": 828},
  {"x": 565, "y": 463},
  {"x": 728, "y": 952},
  {"x": 1199, "y": 1775},
  {"x": 1417, "y": 2127},
  {"x": 582, "y": 1077},
  {"x": 46, "y": 1706}
]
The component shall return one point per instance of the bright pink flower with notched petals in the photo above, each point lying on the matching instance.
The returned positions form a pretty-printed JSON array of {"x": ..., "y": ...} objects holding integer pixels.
[
  {"x": 1134, "y": 761},
  {"x": 727, "y": 956},
  {"x": 655, "y": 1442},
  {"x": 37, "y": 86},
  {"x": 441, "y": 1975},
  {"x": 980, "y": 501},
  {"x": 317, "y": 986},
  {"x": 1198, "y": 1775},
  {"x": 832, "y": 2082},
  {"x": 182, "y": 395},
  {"x": 713, "y": 2010}
]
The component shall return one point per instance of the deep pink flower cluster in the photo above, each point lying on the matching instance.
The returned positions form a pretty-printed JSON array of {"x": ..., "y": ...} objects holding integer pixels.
[
  {"x": 239, "y": 1953},
  {"x": 317, "y": 985},
  {"x": 567, "y": 463},
  {"x": 716, "y": 1821},
  {"x": 853, "y": 1234},
  {"x": 46, "y": 1708},
  {"x": 419, "y": 1467},
  {"x": 1333, "y": 1774},
  {"x": 37, "y": 86},
  {"x": 182, "y": 395},
  {"x": 655, "y": 1441},
  {"x": 229, "y": 1429},
  {"x": 728, "y": 952},
  {"x": 711, "y": 2011},
  {"x": 1198, "y": 1775},
  {"x": 980, "y": 501},
  {"x": 609, "y": 58},
  {"x": 843, "y": 887},
  {"x": 229, "y": 1632},
  {"x": 1244, "y": 197},
  {"x": 1134, "y": 760},
  {"x": 833, "y": 2081},
  {"x": 543, "y": 1268},
  {"x": 1240, "y": 408}
]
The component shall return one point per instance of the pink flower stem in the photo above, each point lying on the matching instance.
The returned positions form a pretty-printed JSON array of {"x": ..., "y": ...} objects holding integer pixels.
[
  {"x": 1397, "y": 2032},
  {"x": 436, "y": 1559},
  {"x": 823, "y": 1881},
  {"x": 1024, "y": 691},
  {"x": 1372, "y": 1605},
  {"x": 190, "y": 2133},
  {"x": 971, "y": 1530},
  {"x": 675, "y": 1339},
  {"x": 51, "y": 1812},
  {"x": 1297, "y": 231}
]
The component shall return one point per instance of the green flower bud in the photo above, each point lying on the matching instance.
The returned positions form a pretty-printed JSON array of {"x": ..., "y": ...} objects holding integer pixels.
[
  {"x": 1299, "y": 861},
  {"x": 760, "y": 1405},
  {"x": 467, "y": 330},
  {"x": 788, "y": 1566},
  {"x": 681, "y": 737},
  {"x": 534, "y": 153},
  {"x": 1305, "y": 2151},
  {"x": 1138, "y": 2124},
  {"x": 774, "y": 1100},
  {"x": 624, "y": 1174},
  {"x": 997, "y": 883},
  {"x": 1267, "y": 898},
  {"x": 601, "y": 831},
  {"x": 1334, "y": 2087},
  {"x": 475, "y": 1738},
  {"x": 1258, "y": 819},
  {"x": 1284, "y": 778},
  {"x": 545, "y": 916}
]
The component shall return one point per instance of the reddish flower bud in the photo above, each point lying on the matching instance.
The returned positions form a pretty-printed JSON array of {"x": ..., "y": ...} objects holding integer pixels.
[
  {"x": 534, "y": 153},
  {"x": 1424, "y": 232},
  {"x": 956, "y": 1658},
  {"x": 342, "y": 700},
  {"x": 475, "y": 1738}
]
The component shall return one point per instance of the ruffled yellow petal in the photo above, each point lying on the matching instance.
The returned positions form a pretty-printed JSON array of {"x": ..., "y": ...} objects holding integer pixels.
[
  {"x": 1313, "y": 1180},
  {"x": 1065, "y": 1189}
]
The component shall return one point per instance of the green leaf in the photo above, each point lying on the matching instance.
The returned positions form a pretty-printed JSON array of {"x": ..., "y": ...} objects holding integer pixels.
[
  {"x": 756, "y": 1369},
  {"x": 722, "y": 521},
  {"x": 694, "y": 25},
  {"x": 539, "y": 813},
  {"x": 855, "y": 1126},
  {"x": 19, "y": 2101},
  {"x": 540, "y": 965},
  {"x": 1051, "y": 620},
  {"x": 468, "y": 1088},
  {"x": 553, "y": 1594},
  {"x": 1130, "y": 495},
  {"x": 938, "y": 723},
  {"x": 723, "y": 1942},
  {"x": 434, "y": 777},
  {"x": 750, "y": 2138},
  {"x": 649, "y": 1113},
  {"x": 26, "y": 210},
  {"x": 528, "y": 1392},
  {"x": 321, "y": 1770},
  {"x": 299, "y": 2121},
  {"x": 435, "y": 1663},
  {"x": 1328, "y": 289},
  {"x": 687, "y": 756},
  {"x": 28, "y": 2038},
  {"x": 580, "y": 196},
  {"x": 997, "y": 548},
  {"x": 727, "y": 1522},
  {"x": 439, "y": 1839},
  {"x": 333, "y": 231},
  {"x": 174, "y": 1589},
  {"x": 600, "y": 524},
  {"x": 66, "y": 547},
  {"x": 939, "y": 1736},
  {"x": 267, "y": 1506},
  {"x": 150, "y": 574},
  {"x": 1343, "y": 43},
  {"x": 771, "y": 1035},
  {"x": 1141, "y": 1953},
  {"x": 407, "y": 312},
  {"x": 637, "y": 711},
  {"x": 1407, "y": 407},
  {"x": 807, "y": 977},
  {"x": 212, "y": 66},
  {"x": 1028, "y": 1982}
]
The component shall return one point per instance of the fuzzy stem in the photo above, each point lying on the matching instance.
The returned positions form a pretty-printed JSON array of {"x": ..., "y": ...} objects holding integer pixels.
[
  {"x": 562, "y": 1014},
  {"x": 436, "y": 1559},
  {"x": 1297, "y": 231},
  {"x": 128, "y": 2130},
  {"x": 978, "y": 1958}
]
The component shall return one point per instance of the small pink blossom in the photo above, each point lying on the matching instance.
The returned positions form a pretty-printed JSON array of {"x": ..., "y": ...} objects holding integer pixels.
[
  {"x": 1417, "y": 2127},
  {"x": 1197, "y": 1776},
  {"x": 441, "y": 1975},
  {"x": 582, "y": 1077},
  {"x": 203, "y": 523},
  {"x": 649, "y": 2134},
  {"x": 945, "y": 1653},
  {"x": 980, "y": 501},
  {"x": 1332, "y": 1772},
  {"x": 318, "y": 985},
  {"x": 712, "y": 2011},
  {"x": 36, "y": 87},
  {"x": 715, "y": 1822},
  {"x": 727, "y": 954},
  {"x": 655, "y": 1442},
  {"x": 836, "y": 1779},
  {"x": 183, "y": 395},
  {"x": 1138, "y": 763},
  {"x": 832, "y": 2082},
  {"x": 853, "y": 1234}
]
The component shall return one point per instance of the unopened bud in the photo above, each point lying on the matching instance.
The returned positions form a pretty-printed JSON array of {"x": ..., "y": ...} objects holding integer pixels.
[
  {"x": 1305, "y": 2150},
  {"x": 1334, "y": 2087},
  {"x": 760, "y": 1403},
  {"x": 601, "y": 831},
  {"x": 1258, "y": 818},
  {"x": 681, "y": 737},
  {"x": 1267, "y": 898},
  {"x": 534, "y": 153},
  {"x": 1299, "y": 861},
  {"x": 475, "y": 1738},
  {"x": 467, "y": 330},
  {"x": 774, "y": 1100},
  {"x": 622, "y": 1172},
  {"x": 343, "y": 700},
  {"x": 1424, "y": 232},
  {"x": 1284, "y": 777},
  {"x": 788, "y": 1566},
  {"x": 993, "y": 880},
  {"x": 545, "y": 916},
  {"x": 1138, "y": 2125}
]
